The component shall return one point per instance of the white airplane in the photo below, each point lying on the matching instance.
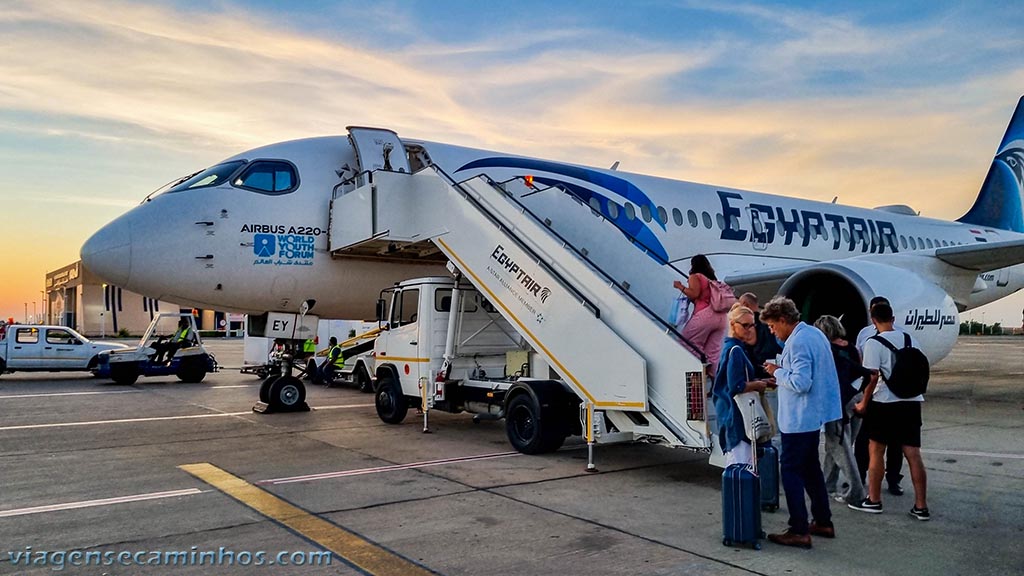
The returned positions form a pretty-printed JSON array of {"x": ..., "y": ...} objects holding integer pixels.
[{"x": 252, "y": 234}]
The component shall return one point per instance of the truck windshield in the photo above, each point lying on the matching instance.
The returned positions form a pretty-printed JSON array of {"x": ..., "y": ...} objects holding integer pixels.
[{"x": 213, "y": 176}]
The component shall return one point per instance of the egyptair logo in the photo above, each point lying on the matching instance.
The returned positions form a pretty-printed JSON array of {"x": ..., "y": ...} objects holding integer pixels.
[{"x": 544, "y": 293}]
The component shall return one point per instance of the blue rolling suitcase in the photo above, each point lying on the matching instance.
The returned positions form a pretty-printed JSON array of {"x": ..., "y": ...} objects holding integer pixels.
[
  {"x": 768, "y": 470},
  {"x": 741, "y": 505},
  {"x": 741, "y": 510}
]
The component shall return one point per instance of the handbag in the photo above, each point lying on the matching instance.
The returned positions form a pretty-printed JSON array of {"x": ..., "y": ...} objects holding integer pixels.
[
  {"x": 680, "y": 314},
  {"x": 755, "y": 419}
]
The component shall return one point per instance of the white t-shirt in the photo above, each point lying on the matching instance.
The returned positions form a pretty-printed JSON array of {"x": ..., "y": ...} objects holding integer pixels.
[{"x": 877, "y": 357}]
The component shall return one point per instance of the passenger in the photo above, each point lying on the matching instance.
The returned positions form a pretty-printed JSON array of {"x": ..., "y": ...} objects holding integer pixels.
[
  {"x": 808, "y": 398},
  {"x": 767, "y": 347},
  {"x": 890, "y": 420},
  {"x": 706, "y": 328},
  {"x": 893, "y": 454},
  {"x": 735, "y": 377},
  {"x": 839, "y": 434}
]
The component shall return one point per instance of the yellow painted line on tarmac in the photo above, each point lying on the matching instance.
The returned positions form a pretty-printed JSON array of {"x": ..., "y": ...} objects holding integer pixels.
[{"x": 354, "y": 549}]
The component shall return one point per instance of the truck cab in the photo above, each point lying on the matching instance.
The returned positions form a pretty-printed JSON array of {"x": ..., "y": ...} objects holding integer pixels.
[
  {"x": 450, "y": 350},
  {"x": 49, "y": 348}
]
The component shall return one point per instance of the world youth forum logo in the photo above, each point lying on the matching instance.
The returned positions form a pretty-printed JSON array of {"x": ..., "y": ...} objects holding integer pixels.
[{"x": 264, "y": 245}]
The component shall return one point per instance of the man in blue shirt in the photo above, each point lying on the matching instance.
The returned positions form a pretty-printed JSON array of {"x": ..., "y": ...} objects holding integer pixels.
[{"x": 808, "y": 398}]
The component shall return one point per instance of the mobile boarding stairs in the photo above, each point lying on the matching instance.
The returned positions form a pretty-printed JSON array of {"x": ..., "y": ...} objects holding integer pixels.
[{"x": 617, "y": 355}]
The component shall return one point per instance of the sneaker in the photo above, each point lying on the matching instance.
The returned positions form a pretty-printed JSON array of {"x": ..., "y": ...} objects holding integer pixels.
[
  {"x": 866, "y": 505},
  {"x": 838, "y": 497},
  {"x": 895, "y": 489},
  {"x": 789, "y": 538},
  {"x": 920, "y": 513}
]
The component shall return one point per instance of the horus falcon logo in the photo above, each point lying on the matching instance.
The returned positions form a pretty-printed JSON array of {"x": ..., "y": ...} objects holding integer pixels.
[{"x": 544, "y": 293}]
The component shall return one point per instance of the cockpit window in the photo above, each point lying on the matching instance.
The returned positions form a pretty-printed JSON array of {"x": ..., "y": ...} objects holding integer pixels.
[
  {"x": 214, "y": 176},
  {"x": 267, "y": 177}
]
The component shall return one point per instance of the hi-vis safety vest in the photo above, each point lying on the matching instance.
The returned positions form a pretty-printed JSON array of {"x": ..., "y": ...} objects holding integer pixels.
[
  {"x": 309, "y": 346},
  {"x": 338, "y": 362},
  {"x": 181, "y": 334}
]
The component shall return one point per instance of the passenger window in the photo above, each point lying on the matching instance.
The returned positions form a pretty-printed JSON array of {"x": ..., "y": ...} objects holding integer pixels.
[
  {"x": 630, "y": 212},
  {"x": 662, "y": 215},
  {"x": 824, "y": 233},
  {"x": 677, "y": 216},
  {"x": 268, "y": 177},
  {"x": 645, "y": 213},
  {"x": 720, "y": 220},
  {"x": 613, "y": 210},
  {"x": 707, "y": 220},
  {"x": 60, "y": 337},
  {"x": 903, "y": 241},
  {"x": 913, "y": 242},
  {"x": 846, "y": 236},
  {"x": 27, "y": 336},
  {"x": 691, "y": 217},
  {"x": 595, "y": 204}
]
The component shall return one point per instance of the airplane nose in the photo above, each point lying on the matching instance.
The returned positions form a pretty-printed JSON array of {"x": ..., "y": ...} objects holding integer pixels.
[{"x": 108, "y": 252}]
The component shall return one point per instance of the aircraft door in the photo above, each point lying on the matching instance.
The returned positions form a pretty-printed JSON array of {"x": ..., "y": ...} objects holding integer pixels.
[
  {"x": 378, "y": 149},
  {"x": 758, "y": 232}
]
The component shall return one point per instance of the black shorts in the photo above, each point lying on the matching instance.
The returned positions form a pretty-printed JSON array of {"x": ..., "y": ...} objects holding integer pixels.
[{"x": 895, "y": 423}]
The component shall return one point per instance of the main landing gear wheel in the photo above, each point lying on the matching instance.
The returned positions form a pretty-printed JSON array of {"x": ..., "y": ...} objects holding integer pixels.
[
  {"x": 390, "y": 402},
  {"x": 527, "y": 431},
  {"x": 286, "y": 393}
]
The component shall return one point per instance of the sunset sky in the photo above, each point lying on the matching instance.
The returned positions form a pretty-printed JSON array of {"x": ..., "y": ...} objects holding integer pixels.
[{"x": 101, "y": 102}]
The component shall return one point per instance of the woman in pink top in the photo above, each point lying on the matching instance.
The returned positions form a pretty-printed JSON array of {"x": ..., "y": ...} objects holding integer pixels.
[{"x": 706, "y": 328}]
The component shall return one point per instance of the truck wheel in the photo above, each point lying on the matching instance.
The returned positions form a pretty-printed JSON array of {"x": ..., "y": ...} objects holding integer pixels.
[
  {"x": 3, "y": 366},
  {"x": 363, "y": 382},
  {"x": 265, "y": 388},
  {"x": 286, "y": 392},
  {"x": 192, "y": 369},
  {"x": 527, "y": 432},
  {"x": 390, "y": 401},
  {"x": 124, "y": 373}
]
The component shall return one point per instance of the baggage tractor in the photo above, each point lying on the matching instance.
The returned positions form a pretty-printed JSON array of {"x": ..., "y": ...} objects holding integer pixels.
[
  {"x": 741, "y": 505},
  {"x": 768, "y": 470}
]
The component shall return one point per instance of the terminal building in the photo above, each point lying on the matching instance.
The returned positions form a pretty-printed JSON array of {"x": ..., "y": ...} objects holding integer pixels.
[{"x": 77, "y": 299}]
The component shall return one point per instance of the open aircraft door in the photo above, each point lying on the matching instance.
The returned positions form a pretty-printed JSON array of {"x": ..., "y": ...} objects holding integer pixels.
[{"x": 378, "y": 149}]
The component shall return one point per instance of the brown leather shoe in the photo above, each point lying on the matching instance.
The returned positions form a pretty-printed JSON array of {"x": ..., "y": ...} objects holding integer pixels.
[
  {"x": 823, "y": 531},
  {"x": 789, "y": 538}
]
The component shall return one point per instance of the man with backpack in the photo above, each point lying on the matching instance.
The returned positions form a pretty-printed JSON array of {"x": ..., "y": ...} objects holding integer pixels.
[
  {"x": 892, "y": 404},
  {"x": 893, "y": 452}
]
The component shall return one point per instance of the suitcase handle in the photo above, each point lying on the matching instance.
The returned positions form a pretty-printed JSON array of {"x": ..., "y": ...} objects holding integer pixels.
[{"x": 753, "y": 442}]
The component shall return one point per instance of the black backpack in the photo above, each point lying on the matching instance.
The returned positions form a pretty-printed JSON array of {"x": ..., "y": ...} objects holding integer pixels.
[{"x": 910, "y": 369}]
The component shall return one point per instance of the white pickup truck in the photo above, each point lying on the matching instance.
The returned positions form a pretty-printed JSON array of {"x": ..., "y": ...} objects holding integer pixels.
[{"x": 48, "y": 348}]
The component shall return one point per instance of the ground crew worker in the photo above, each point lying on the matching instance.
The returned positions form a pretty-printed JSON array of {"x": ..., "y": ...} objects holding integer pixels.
[
  {"x": 334, "y": 362},
  {"x": 182, "y": 338}
]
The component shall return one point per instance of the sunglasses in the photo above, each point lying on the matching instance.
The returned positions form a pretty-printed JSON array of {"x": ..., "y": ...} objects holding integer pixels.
[{"x": 747, "y": 325}]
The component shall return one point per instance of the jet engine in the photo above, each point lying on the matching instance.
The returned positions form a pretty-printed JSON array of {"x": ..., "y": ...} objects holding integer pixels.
[{"x": 844, "y": 289}]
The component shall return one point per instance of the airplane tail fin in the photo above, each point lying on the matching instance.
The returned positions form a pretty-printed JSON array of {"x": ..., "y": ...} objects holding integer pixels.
[{"x": 999, "y": 204}]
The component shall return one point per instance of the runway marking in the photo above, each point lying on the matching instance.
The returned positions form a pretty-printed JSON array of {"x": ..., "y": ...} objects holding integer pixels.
[
  {"x": 157, "y": 418},
  {"x": 378, "y": 469},
  {"x": 980, "y": 454},
  {"x": 101, "y": 502},
  {"x": 40, "y": 395},
  {"x": 350, "y": 547}
]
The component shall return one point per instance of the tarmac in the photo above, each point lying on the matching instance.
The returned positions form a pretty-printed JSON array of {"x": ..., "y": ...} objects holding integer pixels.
[{"x": 165, "y": 467}]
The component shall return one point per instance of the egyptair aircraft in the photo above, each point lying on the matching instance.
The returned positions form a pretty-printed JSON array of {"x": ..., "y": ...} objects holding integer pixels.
[{"x": 253, "y": 233}]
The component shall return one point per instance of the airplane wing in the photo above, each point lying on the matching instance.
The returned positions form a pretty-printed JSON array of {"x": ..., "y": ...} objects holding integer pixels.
[
  {"x": 949, "y": 267},
  {"x": 983, "y": 257}
]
